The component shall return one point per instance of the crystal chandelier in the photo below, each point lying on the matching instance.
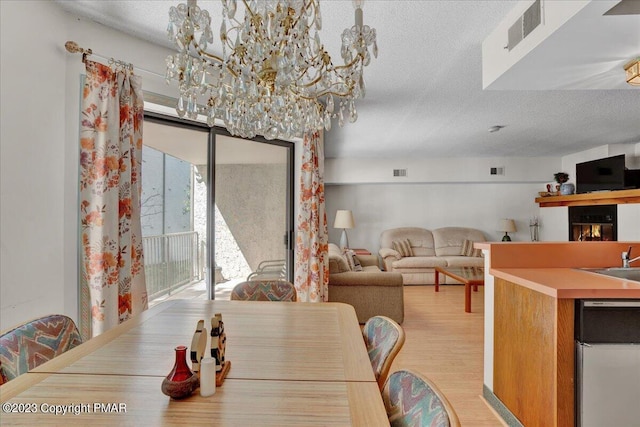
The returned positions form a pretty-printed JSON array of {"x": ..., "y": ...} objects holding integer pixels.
[{"x": 274, "y": 77}]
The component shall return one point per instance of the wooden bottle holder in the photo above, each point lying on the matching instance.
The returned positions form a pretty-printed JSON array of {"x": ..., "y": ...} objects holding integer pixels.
[{"x": 218, "y": 347}]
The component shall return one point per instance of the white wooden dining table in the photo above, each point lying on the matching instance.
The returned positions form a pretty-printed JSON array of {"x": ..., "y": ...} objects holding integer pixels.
[{"x": 291, "y": 364}]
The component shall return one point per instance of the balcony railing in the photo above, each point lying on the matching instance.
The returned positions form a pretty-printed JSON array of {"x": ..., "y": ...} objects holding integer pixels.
[{"x": 171, "y": 261}]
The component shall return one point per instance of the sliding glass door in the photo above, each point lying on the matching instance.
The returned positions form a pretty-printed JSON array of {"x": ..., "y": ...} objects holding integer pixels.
[
  {"x": 216, "y": 211},
  {"x": 252, "y": 218}
]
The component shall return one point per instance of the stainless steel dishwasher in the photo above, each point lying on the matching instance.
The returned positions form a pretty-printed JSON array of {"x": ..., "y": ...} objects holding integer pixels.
[{"x": 607, "y": 363}]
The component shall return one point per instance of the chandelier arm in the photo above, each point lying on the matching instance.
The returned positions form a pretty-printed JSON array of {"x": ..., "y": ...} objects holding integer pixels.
[
  {"x": 207, "y": 54},
  {"x": 317, "y": 79},
  {"x": 311, "y": 83},
  {"x": 214, "y": 57},
  {"x": 310, "y": 98},
  {"x": 324, "y": 67},
  {"x": 358, "y": 58}
]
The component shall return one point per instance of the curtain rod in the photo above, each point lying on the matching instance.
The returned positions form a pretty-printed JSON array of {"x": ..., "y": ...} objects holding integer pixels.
[{"x": 73, "y": 47}]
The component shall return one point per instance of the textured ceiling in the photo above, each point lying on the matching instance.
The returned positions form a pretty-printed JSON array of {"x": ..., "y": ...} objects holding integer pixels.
[{"x": 424, "y": 92}]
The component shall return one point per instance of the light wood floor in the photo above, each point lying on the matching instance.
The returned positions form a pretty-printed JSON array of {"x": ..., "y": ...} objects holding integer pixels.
[
  {"x": 442, "y": 343},
  {"x": 445, "y": 344}
]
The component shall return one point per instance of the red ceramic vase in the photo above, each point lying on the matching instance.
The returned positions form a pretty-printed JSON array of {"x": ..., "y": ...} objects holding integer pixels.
[{"x": 181, "y": 381}]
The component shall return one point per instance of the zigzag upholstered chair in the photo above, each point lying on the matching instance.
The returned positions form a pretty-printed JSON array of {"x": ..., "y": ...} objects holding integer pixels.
[
  {"x": 413, "y": 400},
  {"x": 33, "y": 343},
  {"x": 264, "y": 290},
  {"x": 384, "y": 338}
]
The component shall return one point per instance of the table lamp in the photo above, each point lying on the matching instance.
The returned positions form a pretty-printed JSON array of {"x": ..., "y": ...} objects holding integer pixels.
[
  {"x": 508, "y": 226},
  {"x": 344, "y": 220}
]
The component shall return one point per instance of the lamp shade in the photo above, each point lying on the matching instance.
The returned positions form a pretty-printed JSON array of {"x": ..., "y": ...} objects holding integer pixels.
[
  {"x": 344, "y": 219},
  {"x": 507, "y": 225}
]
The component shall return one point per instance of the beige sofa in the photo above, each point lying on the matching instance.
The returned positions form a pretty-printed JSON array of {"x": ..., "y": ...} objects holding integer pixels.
[
  {"x": 371, "y": 292},
  {"x": 441, "y": 247}
]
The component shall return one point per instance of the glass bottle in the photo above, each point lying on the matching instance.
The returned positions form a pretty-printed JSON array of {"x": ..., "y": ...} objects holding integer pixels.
[{"x": 181, "y": 381}]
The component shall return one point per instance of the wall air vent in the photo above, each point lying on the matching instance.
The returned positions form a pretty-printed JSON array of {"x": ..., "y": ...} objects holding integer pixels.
[
  {"x": 525, "y": 24},
  {"x": 399, "y": 172}
]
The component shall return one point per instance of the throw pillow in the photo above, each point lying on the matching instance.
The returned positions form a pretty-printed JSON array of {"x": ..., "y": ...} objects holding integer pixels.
[
  {"x": 338, "y": 263},
  {"x": 352, "y": 260},
  {"x": 356, "y": 262},
  {"x": 349, "y": 260},
  {"x": 469, "y": 250},
  {"x": 403, "y": 247}
]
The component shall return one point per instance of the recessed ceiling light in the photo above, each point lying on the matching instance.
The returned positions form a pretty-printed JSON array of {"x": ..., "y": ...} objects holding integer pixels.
[{"x": 495, "y": 128}]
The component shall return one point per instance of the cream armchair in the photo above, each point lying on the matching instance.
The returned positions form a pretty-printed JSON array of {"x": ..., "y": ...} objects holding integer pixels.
[{"x": 371, "y": 292}]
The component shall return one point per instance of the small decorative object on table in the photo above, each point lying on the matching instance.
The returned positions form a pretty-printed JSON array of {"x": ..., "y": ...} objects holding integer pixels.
[
  {"x": 533, "y": 227},
  {"x": 507, "y": 226},
  {"x": 198, "y": 345},
  {"x": 218, "y": 348},
  {"x": 207, "y": 377},
  {"x": 548, "y": 192},
  {"x": 565, "y": 187},
  {"x": 181, "y": 381}
]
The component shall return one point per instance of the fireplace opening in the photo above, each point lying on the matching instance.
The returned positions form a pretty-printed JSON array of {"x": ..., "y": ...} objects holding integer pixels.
[{"x": 593, "y": 223}]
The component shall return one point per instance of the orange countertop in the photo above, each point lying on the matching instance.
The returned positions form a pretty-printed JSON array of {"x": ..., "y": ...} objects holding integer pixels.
[
  {"x": 552, "y": 267},
  {"x": 569, "y": 282}
]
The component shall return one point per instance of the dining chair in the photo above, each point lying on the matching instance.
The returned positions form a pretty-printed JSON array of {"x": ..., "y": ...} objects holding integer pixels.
[
  {"x": 264, "y": 290},
  {"x": 31, "y": 344},
  {"x": 384, "y": 338},
  {"x": 413, "y": 400}
]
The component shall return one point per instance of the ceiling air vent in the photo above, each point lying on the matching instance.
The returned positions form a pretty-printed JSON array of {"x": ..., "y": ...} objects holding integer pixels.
[
  {"x": 525, "y": 24},
  {"x": 399, "y": 172}
]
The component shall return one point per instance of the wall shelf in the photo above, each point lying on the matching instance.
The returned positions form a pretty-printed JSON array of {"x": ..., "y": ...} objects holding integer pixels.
[{"x": 618, "y": 197}]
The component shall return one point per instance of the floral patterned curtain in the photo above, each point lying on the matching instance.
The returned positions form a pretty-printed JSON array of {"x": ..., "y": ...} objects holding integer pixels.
[
  {"x": 110, "y": 183},
  {"x": 312, "y": 265}
]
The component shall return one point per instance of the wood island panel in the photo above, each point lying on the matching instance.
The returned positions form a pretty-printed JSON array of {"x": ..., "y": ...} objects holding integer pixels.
[{"x": 533, "y": 355}]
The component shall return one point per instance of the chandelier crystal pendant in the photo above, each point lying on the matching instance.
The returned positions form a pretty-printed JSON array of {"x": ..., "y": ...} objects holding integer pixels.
[{"x": 273, "y": 77}]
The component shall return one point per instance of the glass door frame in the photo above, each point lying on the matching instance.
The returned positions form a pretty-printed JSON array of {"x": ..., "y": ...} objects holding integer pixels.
[{"x": 211, "y": 156}]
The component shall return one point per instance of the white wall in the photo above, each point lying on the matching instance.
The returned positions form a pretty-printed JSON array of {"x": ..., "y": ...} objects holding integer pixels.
[
  {"x": 437, "y": 193},
  {"x": 441, "y": 170},
  {"x": 32, "y": 161},
  {"x": 629, "y": 222},
  {"x": 40, "y": 86},
  {"x": 554, "y": 224}
]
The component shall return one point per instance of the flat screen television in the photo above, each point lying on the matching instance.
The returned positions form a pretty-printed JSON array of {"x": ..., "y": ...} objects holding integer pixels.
[{"x": 600, "y": 175}]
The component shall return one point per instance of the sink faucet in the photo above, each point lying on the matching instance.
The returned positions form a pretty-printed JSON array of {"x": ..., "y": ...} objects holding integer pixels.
[{"x": 625, "y": 258}]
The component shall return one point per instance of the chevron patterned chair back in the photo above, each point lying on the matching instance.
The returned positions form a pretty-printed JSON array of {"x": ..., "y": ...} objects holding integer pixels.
[
  {"x": 384, "y": 338},
  {"x": 413, "y": 400},
  {"x": 264, "y": 290},
  {"x": 33, "y": 343}
]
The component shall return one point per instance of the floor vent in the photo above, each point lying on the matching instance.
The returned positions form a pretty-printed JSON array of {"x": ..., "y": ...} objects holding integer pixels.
[
  {"x": 525, "y": 24},
  {"x": 399, "y": 172}
]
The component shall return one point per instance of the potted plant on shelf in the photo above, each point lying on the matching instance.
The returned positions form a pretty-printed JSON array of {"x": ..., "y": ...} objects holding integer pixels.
[{"x": 563, "y": 187}]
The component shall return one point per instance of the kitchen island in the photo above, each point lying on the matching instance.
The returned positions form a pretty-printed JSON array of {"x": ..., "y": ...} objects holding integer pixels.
[{"x": 530, "y": 293}]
